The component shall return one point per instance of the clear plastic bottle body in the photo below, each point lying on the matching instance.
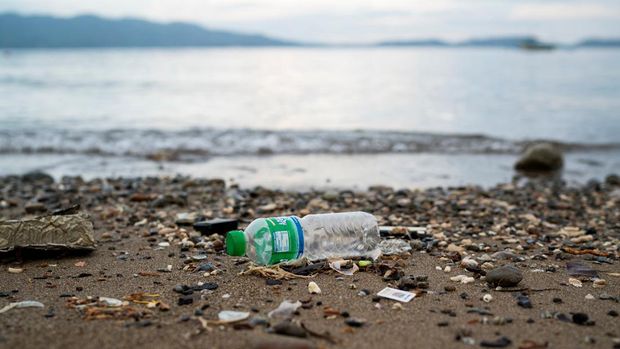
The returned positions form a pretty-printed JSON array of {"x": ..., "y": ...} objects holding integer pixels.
[
  {"x": 330, "y": 235},
  {"x": 348, "y": 234},
  {"x": 258, "y": 246}
]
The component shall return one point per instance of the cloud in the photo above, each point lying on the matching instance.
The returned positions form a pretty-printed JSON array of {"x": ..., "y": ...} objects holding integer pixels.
[{"x": 563, "y": 11}]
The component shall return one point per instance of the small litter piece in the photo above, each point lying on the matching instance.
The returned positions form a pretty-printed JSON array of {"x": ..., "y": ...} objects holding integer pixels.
[
  {"x": 396, "y": 294},
  {"x": 580, "y": 269},
  {"x": 575, "y": 282},
  {"x": 15, "y": 270},
  {"x": 313, "y": 288},
  {"x": 111, "y": 302},
  {"x": 394, "y": 246},
  {"x": 464, "y": 279},
  {"x": 23, "y": 304},
  {"x": 271, "y": 272},
  {"x": 345, "y": 267},
  {"x": 68, "y": 232},
  {"x": 285, "y": 310},
  {"x": 229, "y": 316}
]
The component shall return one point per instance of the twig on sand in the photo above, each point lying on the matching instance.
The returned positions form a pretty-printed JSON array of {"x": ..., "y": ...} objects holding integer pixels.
[
  {"x": 272, "y": 272},
  {"x": 526, "y": 289}
]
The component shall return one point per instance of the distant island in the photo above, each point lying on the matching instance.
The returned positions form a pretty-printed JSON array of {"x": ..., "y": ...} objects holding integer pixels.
[{"x": 19, "y": 31}]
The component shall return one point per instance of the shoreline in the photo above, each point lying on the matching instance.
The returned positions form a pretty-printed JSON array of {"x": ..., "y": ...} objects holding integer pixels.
[
  {"x": 539, "y": 226},
  {"x": 320, "y": 171}
]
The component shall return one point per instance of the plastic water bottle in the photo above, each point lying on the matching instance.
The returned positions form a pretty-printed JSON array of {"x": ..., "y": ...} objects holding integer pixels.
[{"x": 273, "y": 240}]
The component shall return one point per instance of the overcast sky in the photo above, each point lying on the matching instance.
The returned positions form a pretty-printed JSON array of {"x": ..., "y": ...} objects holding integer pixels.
[{"x": 360, "y": 21}]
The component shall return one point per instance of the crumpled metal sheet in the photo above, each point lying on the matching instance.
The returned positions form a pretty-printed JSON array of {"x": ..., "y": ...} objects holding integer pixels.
[{"x": 73, "y": 232}]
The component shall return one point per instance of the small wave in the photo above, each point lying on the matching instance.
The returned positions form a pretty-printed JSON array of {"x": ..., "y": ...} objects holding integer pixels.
[{"x": 206, "y": 142}]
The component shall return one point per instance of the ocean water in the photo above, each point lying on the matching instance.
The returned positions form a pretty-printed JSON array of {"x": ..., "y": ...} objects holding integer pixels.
[{"x": 321, "y": 115}]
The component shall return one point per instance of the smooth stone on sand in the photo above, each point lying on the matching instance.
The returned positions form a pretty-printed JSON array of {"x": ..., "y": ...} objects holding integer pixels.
[
  {"x": 540, "y": 157},
  {"x": 504, "y": 276}
]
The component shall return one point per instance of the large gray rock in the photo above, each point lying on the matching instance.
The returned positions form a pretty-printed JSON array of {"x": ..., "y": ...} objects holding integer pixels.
[{"x": 540, "y": 157}]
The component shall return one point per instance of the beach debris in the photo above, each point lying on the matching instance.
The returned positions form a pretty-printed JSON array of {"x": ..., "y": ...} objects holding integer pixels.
[
  {"x": 345, "y": 267},
  {"x": 364, "y": 263},
  {"x": 60, "y": 232},
  {"x": 578, "y": 251},
  {"x": 504, "y": 276},
  {"x": 111, "y": 302},
  {"x": 599, "y": 283},
  {"x": 396, "y": 294},
  {"x": 313, "y": 288},
  {"x": 575, "y": 282},
  {"x": 22, "y": 304},
  {"x": 487, "y": 298},
  {"x": 590, "y": 297},
  {"x": 219, "y": 226},
  {"x": 464, "y": 279},
  {"x": 394, "y": 247},
  {"x": 103, "y": 308},
  {"x": 285, "y": 310},
  {"x": 15, "y": 270},
  {"x": 230, "y": 316},
  {"x": 271, "y": 272},
  {"x": 579, "y": 269}
]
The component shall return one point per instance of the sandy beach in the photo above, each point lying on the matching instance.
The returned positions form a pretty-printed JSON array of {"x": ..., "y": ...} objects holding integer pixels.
[{"x": 143, "y": 250}]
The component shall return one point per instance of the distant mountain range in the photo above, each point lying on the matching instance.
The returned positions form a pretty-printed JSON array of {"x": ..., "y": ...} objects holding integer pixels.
[
  {"x": 17, "y": 31},
  {"x": 90, "y": 31}
]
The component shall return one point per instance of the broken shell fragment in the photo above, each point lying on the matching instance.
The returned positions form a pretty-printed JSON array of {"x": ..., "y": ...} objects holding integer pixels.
[{"x": 313, "y": 288}]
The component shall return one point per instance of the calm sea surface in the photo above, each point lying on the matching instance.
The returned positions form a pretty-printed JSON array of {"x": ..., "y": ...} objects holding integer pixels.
[{"x": 118, "y": 103}]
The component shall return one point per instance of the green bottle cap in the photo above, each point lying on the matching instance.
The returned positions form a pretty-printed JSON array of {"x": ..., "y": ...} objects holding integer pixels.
[{"x": 235, "y": 243}]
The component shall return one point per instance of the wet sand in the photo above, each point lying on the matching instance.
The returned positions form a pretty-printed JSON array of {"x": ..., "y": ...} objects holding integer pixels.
[{"x": 133, "y": 216}]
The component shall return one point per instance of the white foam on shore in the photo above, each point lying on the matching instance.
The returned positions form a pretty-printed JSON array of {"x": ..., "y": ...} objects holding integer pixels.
[{"x": 207, "y": 142}]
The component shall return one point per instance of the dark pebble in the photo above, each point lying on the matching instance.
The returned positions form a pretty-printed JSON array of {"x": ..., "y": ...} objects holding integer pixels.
[
  {"x": 580, "y": 318},
  {"x": 355, "y": 322},
  {"x": 273, "y": 282},
  {"x": 443, "y": 324},
  {"x": 501, "y": 342},
  {"x": 184, "y": 300},
  {"x": 449, "y": 288},
  {"x": 557, "y": 300},
  {"x": 524, "y": 302},
  {"x": 612, "y": 313}
]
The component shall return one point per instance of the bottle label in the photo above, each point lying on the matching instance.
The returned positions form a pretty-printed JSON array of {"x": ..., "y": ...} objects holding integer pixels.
[
  {"x": 287, "y": 238},
  {"x": 280, "y": 241}
]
